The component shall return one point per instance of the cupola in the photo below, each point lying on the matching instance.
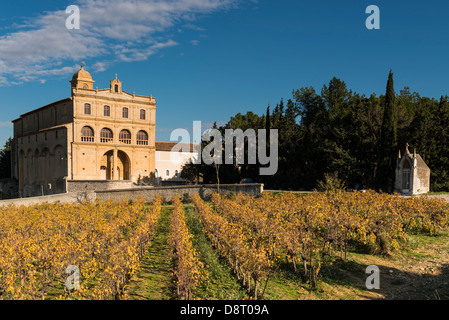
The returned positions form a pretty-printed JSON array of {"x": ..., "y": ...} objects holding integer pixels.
[{"x": 82, "y": 80}]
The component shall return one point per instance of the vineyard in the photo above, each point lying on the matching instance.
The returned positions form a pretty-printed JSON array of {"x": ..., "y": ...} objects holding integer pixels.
[{"x": 234, "y": 247}]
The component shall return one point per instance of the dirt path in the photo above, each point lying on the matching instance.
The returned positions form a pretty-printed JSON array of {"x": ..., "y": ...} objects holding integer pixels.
[{"x": 154, "y": 281}]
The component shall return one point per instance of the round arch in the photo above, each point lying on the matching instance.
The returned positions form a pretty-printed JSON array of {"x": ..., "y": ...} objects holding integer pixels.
[
  {"x": 45, "y": 166},
  {"x": 59, "y": 162},
  {"x": 29, "y": 175},
  {"x": 122, "y": 166},
  {"x": 21, "y": 168},
  {"x": 36, "y": 165}
]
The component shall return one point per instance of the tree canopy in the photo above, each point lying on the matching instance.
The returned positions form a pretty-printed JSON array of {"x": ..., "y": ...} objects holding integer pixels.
[{"x": 343, "y": 134}]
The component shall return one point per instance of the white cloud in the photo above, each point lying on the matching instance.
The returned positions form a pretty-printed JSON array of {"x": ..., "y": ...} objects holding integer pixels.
[
  {"x": 110, "y": 30},
  {"x": 195, "y": 42},
  {"x": 99, "y": 66}
]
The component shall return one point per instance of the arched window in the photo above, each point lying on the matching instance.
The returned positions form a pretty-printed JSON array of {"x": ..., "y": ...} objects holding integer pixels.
[
  {"x": 142, "y": 114},
  {"x": 167, "y": 173},
  {"x": 106, "y": 135},
  {"x": 156, "y": 173},
  {"x": 176, "y": 173},
  {"x": 87, "y": 134},
  {"x": 87, "y": 109},
  {"x": 406, "y": 175},
  {"x": 116, "y": 88},
  {"x": 125, "y": 136},
  {"x": 125, "y": 112},
  {"x": 142, "y": 138},
  {"x": 107, "y": 111}
]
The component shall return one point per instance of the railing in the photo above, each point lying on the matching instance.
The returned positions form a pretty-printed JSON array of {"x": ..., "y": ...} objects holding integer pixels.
[
  {"x": 142, "y": 142},
  {"x": 106, "y": 140},
  {"x": 87, "y": 139},
  {"x": 126, "y": 141}
]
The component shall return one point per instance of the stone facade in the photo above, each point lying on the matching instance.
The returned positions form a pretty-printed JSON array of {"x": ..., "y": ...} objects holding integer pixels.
[
  {"x": 96, "y": 134},
  {"x": 412, "y": 174},
  {"x": 169, "y": 163}
]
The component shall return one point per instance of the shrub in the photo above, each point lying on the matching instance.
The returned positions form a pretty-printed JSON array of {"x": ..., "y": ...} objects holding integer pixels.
[{"x": 331, "y": 182}]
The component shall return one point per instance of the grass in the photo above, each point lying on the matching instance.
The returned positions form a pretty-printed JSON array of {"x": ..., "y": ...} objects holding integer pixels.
[
  {"x": 155, "y": 280},
  {"x": 221, "y": 284},
  {"x": 436, "y": 192}
]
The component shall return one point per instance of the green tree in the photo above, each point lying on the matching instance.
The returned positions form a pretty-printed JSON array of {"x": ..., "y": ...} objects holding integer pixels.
[
  {"x": 388, "y": 148},
  {"x": 5, "y": 160}
]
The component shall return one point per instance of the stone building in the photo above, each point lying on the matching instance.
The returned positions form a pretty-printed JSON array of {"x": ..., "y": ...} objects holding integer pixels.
[
  {"x": 96, "y": 134},
  {"x": 169, "y": 163},
  {"x": 412, "y": 174}
]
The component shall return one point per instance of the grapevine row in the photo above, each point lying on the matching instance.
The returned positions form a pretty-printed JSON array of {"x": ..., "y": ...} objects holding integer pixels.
[
  {"x": 190, "y": 272},
  {"x": 105, "y": 241},
  {"x": 249, "y": 260},
  {"x": 312, "y": 225}
]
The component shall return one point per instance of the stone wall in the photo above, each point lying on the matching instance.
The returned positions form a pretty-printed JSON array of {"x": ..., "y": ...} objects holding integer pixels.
[
  {"x": 71, "y": 197},
  {"x": 9, "y": 188},
  {"x": 146, "y": 193},
  {"x": 205, "y": 191},
  {"x": 53, "y": 186},
  {"x": 98, "y": 185}
]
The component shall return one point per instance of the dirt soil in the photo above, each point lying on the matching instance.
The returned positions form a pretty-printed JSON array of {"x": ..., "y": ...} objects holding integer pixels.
[{"x": 421, "y": 273}]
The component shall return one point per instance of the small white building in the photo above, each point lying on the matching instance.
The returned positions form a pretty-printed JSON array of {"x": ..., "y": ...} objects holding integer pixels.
[
  {"x": 412, "y": 174},
  {"x": 169, "y": 163}
]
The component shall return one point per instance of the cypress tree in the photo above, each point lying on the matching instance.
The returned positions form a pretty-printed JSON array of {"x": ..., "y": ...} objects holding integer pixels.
[
  {"x": 268, "y": 125},
  {"x": 267, "y": 119},
  {"x": 388, "y": 140}
]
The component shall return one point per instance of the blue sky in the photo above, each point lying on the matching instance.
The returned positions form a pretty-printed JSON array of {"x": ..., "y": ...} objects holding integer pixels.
[{"x": 210, "y": 59}]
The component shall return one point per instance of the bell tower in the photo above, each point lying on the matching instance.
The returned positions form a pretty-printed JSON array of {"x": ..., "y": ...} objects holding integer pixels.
[{"x": 116, "y": 85}]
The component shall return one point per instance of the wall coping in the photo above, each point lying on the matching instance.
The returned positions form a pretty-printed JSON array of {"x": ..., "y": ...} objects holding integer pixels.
[
  {"x": 196, "y": 186},
  {"x": 101, "y": 181}
]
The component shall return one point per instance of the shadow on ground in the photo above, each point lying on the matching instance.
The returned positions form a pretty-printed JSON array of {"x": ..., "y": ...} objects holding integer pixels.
[{"x": 395, "y": 283}]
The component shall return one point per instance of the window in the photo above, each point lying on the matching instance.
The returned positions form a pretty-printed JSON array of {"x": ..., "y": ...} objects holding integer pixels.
[
  {"x": 87, "y": 134},
  {"x": 125, "y": 137},
  {"x": 106, "y": 135},
  {"x": 107, "y": 111},
  {"x": 87, "y": 108},
  {"x": 176, "y": 173},
  {"x": 167, "y": 173},
  {"x": 125, "y": 112},
  {"x": 156, "y": 173},
  {"x": 142, "y": 138},
  {"x": 116, "y": 88},
  {"x": 142, "y": 114}
]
